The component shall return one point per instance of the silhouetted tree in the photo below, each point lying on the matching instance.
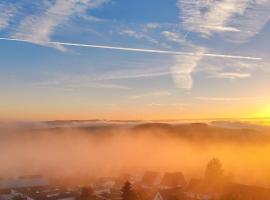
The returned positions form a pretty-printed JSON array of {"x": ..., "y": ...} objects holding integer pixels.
[
  {"x": 127, "y": 193},
  {"x": 87, "y": 193},
  {"x": 214, "y": 172}
]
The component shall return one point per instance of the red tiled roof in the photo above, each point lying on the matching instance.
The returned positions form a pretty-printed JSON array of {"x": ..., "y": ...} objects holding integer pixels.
[
  {"x": 174, "y": 193},
  {"x": 199, "y": 186},
  {"x": 149, "y": 178},
  {"x": 247, "y": 192},
  {"x": 173, "y": 179}
]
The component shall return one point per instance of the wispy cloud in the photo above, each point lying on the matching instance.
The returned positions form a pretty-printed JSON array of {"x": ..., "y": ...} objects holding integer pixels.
[
  {"x": 239, "y": 18},
  {"x": 231, "y": 68},
  {"x": 205, "y": 98},
  {"x": 176, "y": 105},
  {"x": 91, "y": 18},
  {"x": 183, "y": 68},
  {"x": 108, "y": 86},
  {"x": 173, "y": 37},
  {"x": 131, "y": 33},
  {"x": 151, "y": 94},
  {"x": 130, "y": 75},
  {"x": 185, "y": 64},
  {"x": 40, "y": 27},
  {"x": 209, "y": 16},
  {"x": 7, "y": 12},
  {"x": 78, "y": 82},
  {"x": 251, "y": 21},
  {"x": 152, "y": 25},
  {"x": 230, "y": 75},
  {"x": 137, "y": 35},
  {"x": 219, "y": 28}
]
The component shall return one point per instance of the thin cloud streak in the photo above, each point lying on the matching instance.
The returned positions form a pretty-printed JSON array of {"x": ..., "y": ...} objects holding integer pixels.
[
  {"x": 134, "y": 76},
  {"x": 230, "y": 75},
  {"x": 138, "y": 49},
  {"x": 202, "y": 98},
  {"x": 152, "y": 94},
  {"x": 179, "y": 105}
]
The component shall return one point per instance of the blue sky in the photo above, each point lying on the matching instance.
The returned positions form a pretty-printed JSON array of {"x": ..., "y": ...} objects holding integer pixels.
[{"x": 44, "y": 80}]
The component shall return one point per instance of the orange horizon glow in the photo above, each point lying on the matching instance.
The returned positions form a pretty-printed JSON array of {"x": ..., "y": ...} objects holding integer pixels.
[{"x": 145, "y": 113}]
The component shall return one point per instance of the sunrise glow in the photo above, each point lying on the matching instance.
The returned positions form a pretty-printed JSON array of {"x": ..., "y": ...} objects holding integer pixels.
[{"x": 135, "y": 100}]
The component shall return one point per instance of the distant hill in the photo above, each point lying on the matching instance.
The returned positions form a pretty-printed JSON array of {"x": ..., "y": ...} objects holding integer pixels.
[{"x": 188, "y": 131}]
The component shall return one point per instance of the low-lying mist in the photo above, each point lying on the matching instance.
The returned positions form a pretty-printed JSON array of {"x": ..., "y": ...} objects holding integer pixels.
[{"x": 109, "y": 150}]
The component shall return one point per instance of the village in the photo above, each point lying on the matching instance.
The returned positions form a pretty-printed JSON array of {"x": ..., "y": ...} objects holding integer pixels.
[{"x": 150, "y": 186}]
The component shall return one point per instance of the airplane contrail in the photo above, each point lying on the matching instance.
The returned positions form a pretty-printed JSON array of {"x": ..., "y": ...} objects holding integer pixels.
[{"x": 138, "y": 49}]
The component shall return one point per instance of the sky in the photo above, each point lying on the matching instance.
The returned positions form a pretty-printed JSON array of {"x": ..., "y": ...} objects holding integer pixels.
[{"x": 134, "y": 60}]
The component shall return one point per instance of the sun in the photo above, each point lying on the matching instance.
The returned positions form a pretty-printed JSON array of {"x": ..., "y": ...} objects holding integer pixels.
[{"x": 264, "y": 112}]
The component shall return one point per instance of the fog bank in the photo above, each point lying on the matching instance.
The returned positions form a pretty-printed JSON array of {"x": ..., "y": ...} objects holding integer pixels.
[{"x": 114, "y": 149}]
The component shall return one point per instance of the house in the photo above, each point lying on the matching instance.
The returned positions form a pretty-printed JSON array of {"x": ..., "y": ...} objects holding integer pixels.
[
  {"x": 170, "y": 194},
  {"x": 172, "y": 180},
  {"x": 150, "y": 179},
  {"x": 146, "y": 193},
  {"x": 245, "y": 192},
  {"x": 200, "y": 190}
]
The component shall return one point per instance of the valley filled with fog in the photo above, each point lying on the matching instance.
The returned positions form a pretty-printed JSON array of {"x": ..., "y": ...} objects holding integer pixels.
[{"x": 99, "y": 149}]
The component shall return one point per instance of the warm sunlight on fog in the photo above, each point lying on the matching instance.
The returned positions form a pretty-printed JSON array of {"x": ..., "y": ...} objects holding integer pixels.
[{"x": 126, "y": 150}]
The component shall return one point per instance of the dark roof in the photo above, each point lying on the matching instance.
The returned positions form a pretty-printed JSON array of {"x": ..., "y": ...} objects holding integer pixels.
[
  {"x": 149, "y": 178},
  {"x": 200, "y": 186},
  {"x": 229, "y": 190},
  {"x": 146, "y": 194},
  {"x": 172, "y": 194},
  {"x": 173, "y": 179},
  {"x": 247, "y": 192}
]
